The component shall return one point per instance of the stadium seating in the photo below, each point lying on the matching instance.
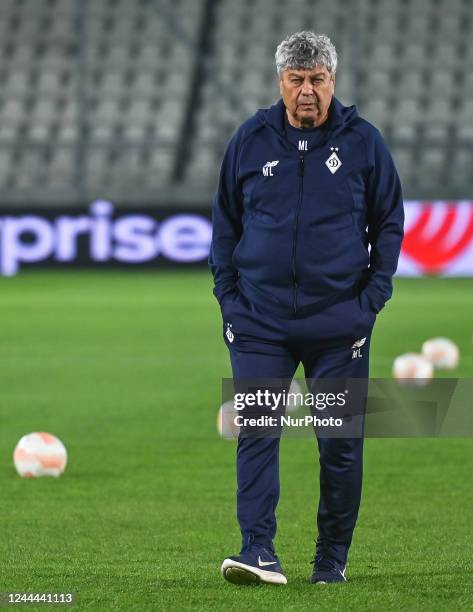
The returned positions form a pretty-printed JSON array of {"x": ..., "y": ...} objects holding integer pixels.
[
  {"x": 403, "y": 65},
  {"x": 136, "y": 100},
  {"x": 94, "y": 96}
]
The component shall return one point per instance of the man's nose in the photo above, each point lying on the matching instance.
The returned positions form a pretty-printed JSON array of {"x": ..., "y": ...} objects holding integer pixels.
[{"x": 307, "y": 89}]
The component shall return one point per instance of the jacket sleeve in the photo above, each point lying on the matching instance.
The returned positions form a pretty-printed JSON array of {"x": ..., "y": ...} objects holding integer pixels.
[
  {"x": 226, "y": 222},
  {"x": 385, "y": 226}
]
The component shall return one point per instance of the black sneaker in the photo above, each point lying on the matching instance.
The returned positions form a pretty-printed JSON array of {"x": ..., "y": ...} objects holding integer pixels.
[{"x": 253, "y": 566}]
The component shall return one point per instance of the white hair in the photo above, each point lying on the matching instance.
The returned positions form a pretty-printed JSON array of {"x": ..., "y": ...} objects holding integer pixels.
[{"x": 304, "y": 51}]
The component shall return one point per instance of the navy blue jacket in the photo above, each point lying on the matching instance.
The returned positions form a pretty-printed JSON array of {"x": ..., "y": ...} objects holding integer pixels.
[{"x": 294, "y": 237}]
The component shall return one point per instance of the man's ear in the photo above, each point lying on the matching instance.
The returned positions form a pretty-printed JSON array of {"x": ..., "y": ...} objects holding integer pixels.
[
  {"x": 333, "y": 83},
  {"x": 280, "y": 86}
]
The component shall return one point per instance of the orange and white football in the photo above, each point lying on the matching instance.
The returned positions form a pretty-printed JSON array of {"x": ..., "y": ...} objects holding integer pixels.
[{"x": 40, "y": 454}]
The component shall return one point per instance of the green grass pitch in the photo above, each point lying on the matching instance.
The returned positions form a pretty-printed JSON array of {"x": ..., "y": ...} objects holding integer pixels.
[{"x": 125, "y": 368}]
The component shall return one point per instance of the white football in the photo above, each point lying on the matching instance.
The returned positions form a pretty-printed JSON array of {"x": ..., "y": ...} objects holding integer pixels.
[
  {"x": 40, "y": 454},
  {"x": 226, "y": 426},
  {"x": 413, "y": 369},
  {"x": 442, "y": 352}
]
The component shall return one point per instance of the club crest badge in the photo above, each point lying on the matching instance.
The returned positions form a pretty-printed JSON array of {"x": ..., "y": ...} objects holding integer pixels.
[
  {"x": 229, "y": 333},
  {"x": 333, "y": 163}
]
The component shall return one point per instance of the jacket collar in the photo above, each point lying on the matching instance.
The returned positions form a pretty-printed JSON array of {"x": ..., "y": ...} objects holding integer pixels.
[{"x": 338, "y": 116}]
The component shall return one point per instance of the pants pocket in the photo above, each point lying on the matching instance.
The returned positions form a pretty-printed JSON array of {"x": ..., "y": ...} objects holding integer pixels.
[{"x": 369, "y": 315}]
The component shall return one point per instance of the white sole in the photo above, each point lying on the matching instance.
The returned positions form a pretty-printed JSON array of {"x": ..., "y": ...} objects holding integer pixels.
[
  {"x": 327, "y": 582},
  {"x": 240, "y": 573}
]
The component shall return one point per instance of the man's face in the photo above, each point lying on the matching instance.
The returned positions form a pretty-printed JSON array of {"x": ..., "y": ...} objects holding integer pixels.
[{"x": 307, "y": 95}]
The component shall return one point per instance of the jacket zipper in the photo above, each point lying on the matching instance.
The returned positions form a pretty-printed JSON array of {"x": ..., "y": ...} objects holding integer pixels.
[
  {"x": 324, "y": 141},
  {"x": 296, "y": 223}
]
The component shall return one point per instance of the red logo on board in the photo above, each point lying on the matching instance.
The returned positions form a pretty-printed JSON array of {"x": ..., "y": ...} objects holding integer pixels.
[{"x": 438, "y": 235}]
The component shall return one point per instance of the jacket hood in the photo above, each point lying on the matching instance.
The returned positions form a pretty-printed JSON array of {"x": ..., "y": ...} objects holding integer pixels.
[{"x": 339, "y": 116}]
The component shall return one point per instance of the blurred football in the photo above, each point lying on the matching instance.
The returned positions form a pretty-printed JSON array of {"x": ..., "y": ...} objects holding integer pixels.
[
  {"x": 441, "y": 352},
  {"x": 40, "y": 454},
  {"x": 413, "y": 369}
]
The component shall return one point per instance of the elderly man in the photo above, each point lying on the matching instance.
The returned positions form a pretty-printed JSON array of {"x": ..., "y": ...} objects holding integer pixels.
[{"x": 307, "y": 230}]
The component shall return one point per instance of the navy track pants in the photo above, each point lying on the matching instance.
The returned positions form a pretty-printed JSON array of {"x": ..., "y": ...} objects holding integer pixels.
[{"x": 263, "y": 345}]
